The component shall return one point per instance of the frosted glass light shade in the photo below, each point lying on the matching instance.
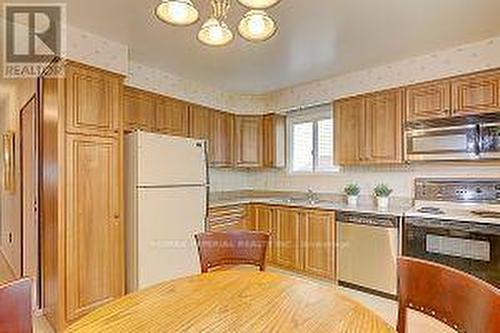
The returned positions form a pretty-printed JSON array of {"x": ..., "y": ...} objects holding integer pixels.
[
  {"x": 177, "y": 12},
  {"x": 257, "y": 26},
  {"x": 215, "y": 33},
  {"x": 258, "y": 4}
]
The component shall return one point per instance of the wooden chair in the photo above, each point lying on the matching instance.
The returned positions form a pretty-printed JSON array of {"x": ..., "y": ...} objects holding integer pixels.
[
  {"x": 232, "y": 248},
  {"x": 457, "y": 299},
  {"x": 15, "y": 307}
]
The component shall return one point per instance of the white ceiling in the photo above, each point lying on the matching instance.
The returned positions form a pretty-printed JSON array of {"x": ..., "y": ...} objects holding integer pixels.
[{"x": 316, "y": 38}]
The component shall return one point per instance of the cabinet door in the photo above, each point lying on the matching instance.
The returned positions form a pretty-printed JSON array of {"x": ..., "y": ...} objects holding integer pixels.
[
  {"x": 384, "y": 126},
  {"x": 349, "y": 124},
  {"x": 318, "y": 241},
  {"x": 94, "y": 101},
  {"x": 274, "y": 141},
  {"x": 428, "y": 100},
  {"x": 94, "y": 244},
  {"x": 199, "y": 122},
  {"x": 172, "y": 116},
  {"x": 221, "y": 139},
  {"x": 139, "y": 110},
  {"x": 478, "y": 93},
  {"x": 248, "y": 141},
  {"x": 265, "y": 222},
  {"x": 288, "y": 238}
]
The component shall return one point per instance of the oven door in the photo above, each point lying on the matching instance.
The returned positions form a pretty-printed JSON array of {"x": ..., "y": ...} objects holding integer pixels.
[
  {"x": 443, "y": 144},
  {"x": 469, "y": 247},
  {"x": 490, "y": 141}
]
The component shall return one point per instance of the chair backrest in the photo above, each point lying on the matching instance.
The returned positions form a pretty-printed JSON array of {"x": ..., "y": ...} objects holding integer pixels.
[
  {"x": 455, "y": 298},
  {"x": 232, "y": 248},
  {"x": 15, "y": 307}
]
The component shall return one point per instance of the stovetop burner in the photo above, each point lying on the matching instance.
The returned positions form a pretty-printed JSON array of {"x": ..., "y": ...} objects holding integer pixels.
[{"x": 430, "y": 210}]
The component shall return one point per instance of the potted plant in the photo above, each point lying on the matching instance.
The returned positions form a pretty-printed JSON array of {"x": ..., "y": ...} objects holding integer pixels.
[
  {"x": 382, "y": 192},
  {"x": 352, "y": 192}
]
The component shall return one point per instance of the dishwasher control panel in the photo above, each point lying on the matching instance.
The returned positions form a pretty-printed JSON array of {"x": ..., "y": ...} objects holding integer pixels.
[{"x": 376, "y": 220}]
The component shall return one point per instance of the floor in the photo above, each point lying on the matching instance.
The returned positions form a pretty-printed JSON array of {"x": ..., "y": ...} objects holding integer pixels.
[{"x": 386, "y": 309}]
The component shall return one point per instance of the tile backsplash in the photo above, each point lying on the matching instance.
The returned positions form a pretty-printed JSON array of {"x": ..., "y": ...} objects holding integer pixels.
[{"x": 400, "y": 178}]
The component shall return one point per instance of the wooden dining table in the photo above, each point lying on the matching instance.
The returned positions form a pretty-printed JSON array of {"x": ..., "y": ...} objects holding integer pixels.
[{"x": 234, "y": 301}]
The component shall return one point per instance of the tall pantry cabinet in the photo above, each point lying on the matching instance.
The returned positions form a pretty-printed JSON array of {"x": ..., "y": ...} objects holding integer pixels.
[{"x": 82, "y": 203}]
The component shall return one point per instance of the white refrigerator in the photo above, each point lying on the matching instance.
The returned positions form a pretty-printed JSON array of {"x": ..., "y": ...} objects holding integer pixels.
[{"x": 166, "y": 204}]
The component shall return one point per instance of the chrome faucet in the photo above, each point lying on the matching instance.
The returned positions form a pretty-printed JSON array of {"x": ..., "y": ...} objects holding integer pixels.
[{"x": 312, "y": 197}]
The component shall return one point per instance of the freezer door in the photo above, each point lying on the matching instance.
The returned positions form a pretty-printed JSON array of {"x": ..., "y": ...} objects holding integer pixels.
[
  {"x": 168, "y": 219},
  {"x": 170, "y": 161}
]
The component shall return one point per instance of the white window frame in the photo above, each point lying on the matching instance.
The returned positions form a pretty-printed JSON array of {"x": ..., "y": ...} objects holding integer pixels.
[{"x": 312, "y": 114}]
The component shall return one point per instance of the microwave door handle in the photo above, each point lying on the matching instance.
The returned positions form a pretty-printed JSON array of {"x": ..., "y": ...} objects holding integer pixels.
[{"x": 478, "y": 140}]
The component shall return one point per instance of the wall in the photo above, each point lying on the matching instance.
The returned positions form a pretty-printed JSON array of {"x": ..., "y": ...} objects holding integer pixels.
[
  {"x": 468, "y": 58},
  {"x": 14, "y": 94},
  {"x": 464, "y": 59}
]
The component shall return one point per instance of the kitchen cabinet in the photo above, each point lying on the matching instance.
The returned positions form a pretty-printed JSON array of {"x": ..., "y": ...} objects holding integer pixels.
[
  {"x": 384, "y": 127},
  {"x": 94, "y": 246},
  {"x": 274, "y": 141},
  {"x": 288, "y": 249},
  {"x": 476, "y": 93},
  {"x": 428, "y": 100},
  {"x": 248, "y": 141},
  {"x": 231, "y": 217},
  {"x": 301, "y": 240},
  {"x": 93, "y": 99},
  {"x": 221, "y": 139},
  {"x": 264, "y": 220},
  {"x": 82, "y": 192},
  {"x": 349, "y": 123},
  {"x": 139, "y": 110},
  {"x": 199, "y": 122},
  {"x": 463, "y": 95},
  {"x": 317, "y": 240},
  {"x": 369, "y": 129},
  {"x": 172, "y": 116}
]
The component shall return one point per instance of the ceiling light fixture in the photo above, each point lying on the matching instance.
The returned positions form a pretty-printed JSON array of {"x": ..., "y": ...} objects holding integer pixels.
[
  {"x": 255, "y": 26},
  {"x": 177, "y": 12},
  {"x": 215, "y": 32},
  {"x": 258, "y": 4}
]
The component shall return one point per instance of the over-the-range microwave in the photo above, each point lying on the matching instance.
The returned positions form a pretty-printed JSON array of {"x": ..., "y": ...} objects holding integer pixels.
[{"x": 452, "y": 139}]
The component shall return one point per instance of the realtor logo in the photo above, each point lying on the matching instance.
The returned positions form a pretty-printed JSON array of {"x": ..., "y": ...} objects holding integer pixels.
[{"x": 33, "y": 38}]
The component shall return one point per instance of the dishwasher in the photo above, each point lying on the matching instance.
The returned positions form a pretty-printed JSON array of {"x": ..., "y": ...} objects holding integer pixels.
[{"x": 367, "y": 250}]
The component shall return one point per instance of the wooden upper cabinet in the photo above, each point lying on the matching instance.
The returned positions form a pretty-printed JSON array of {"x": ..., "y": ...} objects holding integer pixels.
[
  {"x": 476, "y": 93},
  {"x": 94, "y": 230},
  {"x": 318, "y": 239},
  {"x": 248, "y": 141},
  {"x": 274, "y": 141},
  {"x": 94, "y": 102},
  {"x": 139, "y": 109},
  {"x": 172, "y": 116},
  {"x": 288, "y": 250},
  {"x": 199, "y": 122},
  {"x": 349, "y": 124},
  {"x": 383, "y": 127},
  {"x": 428, "y": 100},
  {"x": 221, "y": 139}
]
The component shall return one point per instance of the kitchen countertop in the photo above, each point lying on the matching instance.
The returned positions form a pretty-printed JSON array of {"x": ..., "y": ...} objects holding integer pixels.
[{"x": 367, "y": 204}]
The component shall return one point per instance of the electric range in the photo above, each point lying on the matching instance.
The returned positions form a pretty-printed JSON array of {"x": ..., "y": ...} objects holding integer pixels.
[{"x": 456, "y": 222}]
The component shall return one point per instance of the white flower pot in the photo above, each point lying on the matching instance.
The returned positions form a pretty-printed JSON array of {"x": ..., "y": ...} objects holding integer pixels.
[
  {"x": 352, "y": 200},
  {"x": 383, "y": 202}
]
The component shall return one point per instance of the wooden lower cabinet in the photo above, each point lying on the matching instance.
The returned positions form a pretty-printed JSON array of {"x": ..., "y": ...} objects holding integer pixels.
[
  {"x": 301, "y": 240},
  {"x": 318, "y": 239},
  {"x": 287, "y": 232},
  {"x": 94, "y": 230}
]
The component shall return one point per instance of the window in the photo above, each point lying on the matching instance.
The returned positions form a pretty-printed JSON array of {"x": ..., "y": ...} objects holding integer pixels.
[{"x": 311, "y": 140}]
